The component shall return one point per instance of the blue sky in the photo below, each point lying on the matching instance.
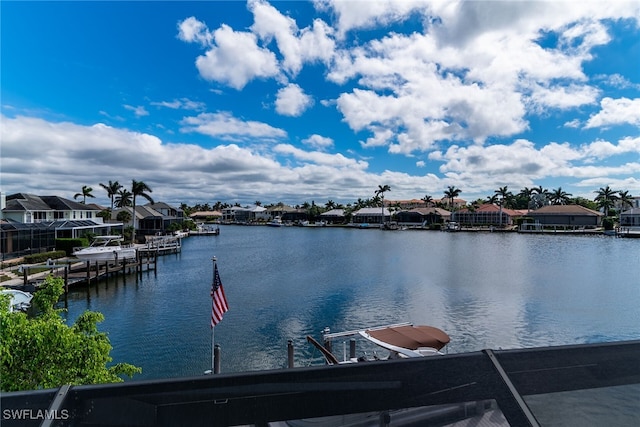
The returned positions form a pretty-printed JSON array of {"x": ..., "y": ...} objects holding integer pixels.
[{"x": 299, "y": 101}]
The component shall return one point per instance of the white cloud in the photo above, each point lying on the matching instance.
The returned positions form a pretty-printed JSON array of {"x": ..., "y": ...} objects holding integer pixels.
[
  {"x": 357, "y": 14},
  {"x": 320, "y": 158},
  {"x": 616, "y": 112},
  {"x": 604, "y": 149},
  {"x": 292, "y": 101},
  {"x": 235, "y": 59},
  {"x": 185, "y": 173},
  {"x": 192, "y": 30},
  {"x": 139, "y": 111},
  {"x": 181, "y": 104},
  {"x": 225, "y": 126},
  {"x": 318, "y": 141},
  {"x": 296, "y": 46}
]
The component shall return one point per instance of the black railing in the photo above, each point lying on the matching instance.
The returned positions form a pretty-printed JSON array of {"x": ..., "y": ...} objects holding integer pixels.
[{"x": 257, "y": 398}]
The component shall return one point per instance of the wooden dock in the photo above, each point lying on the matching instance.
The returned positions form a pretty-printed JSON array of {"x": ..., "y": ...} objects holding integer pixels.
[
  {"x": 160, "y": 245},
  {"x": 86, "y": 272}
]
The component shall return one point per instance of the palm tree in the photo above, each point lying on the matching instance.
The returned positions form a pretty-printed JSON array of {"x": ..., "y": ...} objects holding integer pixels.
[
  {"x": 380, "y": 192},
  {"x": 86, "y": 192},
  {"x": 451, "y": 193},
  {"x": 112, "y": 189},
  {"x": 626, "y": 199},
  {"x": 428, "y": 200},
  {"x": 503, "y": 193},
  {"x": 138, "y": 188},
  {"x": 526, "y": 193},
  {"x": 559, "y": 196},
  {"x": 492, "y": 199},
  {"x": 123, "y": 198},
  {"x": 606, "y": 198},
  {"x": 330, "y": 205},
  {"x": 540, "y": 197}
]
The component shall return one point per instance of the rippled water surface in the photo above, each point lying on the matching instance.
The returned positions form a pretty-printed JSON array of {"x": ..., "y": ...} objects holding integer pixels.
[{"x": 487, "y": 290}]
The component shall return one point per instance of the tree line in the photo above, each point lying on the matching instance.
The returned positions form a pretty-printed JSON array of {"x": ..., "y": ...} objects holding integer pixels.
[{"x": 527, "y": 198}]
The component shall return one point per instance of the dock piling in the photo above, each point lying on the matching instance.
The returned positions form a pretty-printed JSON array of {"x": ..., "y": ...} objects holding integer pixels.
[{"x": 290, "y": 353}]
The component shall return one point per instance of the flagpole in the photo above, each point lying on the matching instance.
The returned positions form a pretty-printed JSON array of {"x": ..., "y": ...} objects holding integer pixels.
[{"x": 213, "y": 353}]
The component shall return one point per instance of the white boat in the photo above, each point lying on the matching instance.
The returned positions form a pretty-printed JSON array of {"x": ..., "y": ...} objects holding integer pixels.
[
  {"x": 453, "y": 226},
  {"x": 402, "y": 340},
  {"x": 20, "y": 301},
  {"x": 313, "y": 224},
  {"x": 106, "y": 248},
  {"x": 275, "y": 222},
  {"x": 205, "y": 230}
]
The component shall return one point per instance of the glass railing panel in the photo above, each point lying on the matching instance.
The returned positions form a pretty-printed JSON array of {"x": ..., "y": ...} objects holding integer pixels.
[{"x": 607, "y": 406}]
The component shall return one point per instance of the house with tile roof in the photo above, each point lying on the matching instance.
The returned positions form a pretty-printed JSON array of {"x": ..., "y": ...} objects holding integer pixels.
[
  {"x": 566, "y": 215},
  {"x": 422, "y": 216},
  {"x": 486, "y": 214},
  {"x": 205, "y": 215}
]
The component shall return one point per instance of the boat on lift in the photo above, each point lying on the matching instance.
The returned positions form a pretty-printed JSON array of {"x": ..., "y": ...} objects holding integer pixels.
[{"x": 106, "y": 248}]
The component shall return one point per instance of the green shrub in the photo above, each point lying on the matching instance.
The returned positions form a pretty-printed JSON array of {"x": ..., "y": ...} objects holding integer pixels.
[
  {"x": 44, "y": 256},
  {"x": 607, "y": 223}
]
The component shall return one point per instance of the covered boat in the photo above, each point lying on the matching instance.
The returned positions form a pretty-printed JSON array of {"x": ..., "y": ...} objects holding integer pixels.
[{"x": 402, "y": 340}]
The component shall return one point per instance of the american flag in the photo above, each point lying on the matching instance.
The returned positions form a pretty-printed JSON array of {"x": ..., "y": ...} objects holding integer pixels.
[{"x": 219, "y": 304}]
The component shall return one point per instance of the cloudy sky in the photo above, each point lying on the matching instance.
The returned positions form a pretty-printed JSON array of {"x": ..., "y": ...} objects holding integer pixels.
[{"x": 297, "y": 101}]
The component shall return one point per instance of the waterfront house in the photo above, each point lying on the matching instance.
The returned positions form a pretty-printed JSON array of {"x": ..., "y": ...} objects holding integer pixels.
[
  {"x": 334, "y": 216},
  {"x": 486, "y": 214},
  {"x": 31, "y": 224},
  {"x": 280, "y": 210},
  {"x": 296, "y": 215},
  {"x": 422, "y": 216},
  {"x": 405, "y": 204},
  {"x": 247, "y": 214},
  {"x": 566, "y": 215},
  {"x": 205, "y": 215},
  {"x": 444, "y": 202},
  {"x": 30, "y": 208},
  {"x": 371, "y": 216},
  {"x": 630, "y": 218}
]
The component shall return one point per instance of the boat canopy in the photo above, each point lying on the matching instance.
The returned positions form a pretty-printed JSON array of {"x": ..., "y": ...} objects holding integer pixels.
[{"x": 411, "y": 337}]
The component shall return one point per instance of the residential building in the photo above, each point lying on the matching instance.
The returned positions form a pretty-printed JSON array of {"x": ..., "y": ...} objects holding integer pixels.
[
  {"x": 572, "y": 215},
  {"x": 29, "y": 208},
  {"x": 245, "y": 214},
  {"x": 487, "y": 214},
  {"x": 31, "y": 224},
  {"x": 371, "y": 216},
  {"x": 151, "y": 221},
  {"x": 205, "y": 215},
  {"x": 422, "y": 216},
  {"x": 334, "y": 216},
  {"x": 630, "y": 218}
]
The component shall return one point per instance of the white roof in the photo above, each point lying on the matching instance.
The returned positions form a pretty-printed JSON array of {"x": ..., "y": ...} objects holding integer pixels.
[{"x": 372, "y": 212}]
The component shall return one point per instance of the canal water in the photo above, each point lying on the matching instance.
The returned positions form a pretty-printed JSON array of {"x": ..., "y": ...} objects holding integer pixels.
[{"x": 486, "y": 290}]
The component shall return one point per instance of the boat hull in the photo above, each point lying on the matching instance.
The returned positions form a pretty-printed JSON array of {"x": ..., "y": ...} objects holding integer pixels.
[
  {"x": 105, "y": 254},
  {"x": 20, "y": 301}
]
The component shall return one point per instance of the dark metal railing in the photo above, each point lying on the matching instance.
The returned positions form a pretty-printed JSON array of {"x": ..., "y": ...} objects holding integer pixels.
[{"x": 257, "y": 398}]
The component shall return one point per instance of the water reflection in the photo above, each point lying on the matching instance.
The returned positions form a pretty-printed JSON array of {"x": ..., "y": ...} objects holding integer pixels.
[{"x": 485, "y": 290}]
